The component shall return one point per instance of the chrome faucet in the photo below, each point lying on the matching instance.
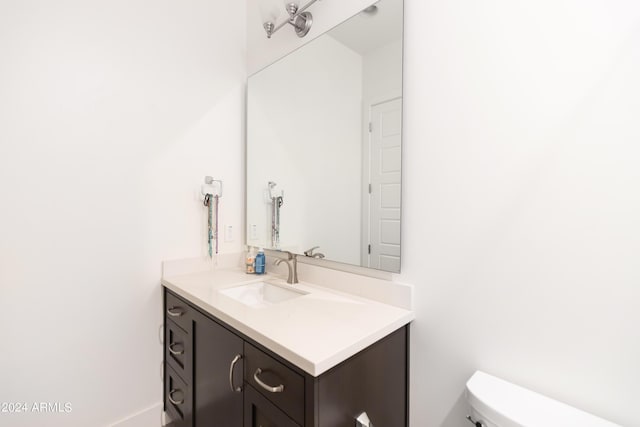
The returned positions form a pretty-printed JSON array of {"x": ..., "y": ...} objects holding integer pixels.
[
  {"x": 292, "y": 264},
  {"x": 309, "y": 253}
]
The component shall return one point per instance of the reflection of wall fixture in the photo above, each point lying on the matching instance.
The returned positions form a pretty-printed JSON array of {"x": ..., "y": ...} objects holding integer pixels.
[
  {"x": 212, "y": 191},
  {"x": 298, "y": 18},
  {"x": 369, "y": 11},
  {"x": 276, "y": 203}
]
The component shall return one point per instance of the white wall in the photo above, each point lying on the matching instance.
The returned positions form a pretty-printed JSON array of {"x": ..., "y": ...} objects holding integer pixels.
[
  {"x": 382, "y": 74},
  {"x": 521, "y": 202},
  {"x": 316, "y": 163},
  {"x": 111, "y": 113}
]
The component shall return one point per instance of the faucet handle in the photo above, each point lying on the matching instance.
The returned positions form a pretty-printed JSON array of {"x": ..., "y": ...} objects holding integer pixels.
[{"x": 309, "y": 252}]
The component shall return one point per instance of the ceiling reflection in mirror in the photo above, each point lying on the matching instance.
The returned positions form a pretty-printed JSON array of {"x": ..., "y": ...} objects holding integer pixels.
[{"x": 324, "y": 133}]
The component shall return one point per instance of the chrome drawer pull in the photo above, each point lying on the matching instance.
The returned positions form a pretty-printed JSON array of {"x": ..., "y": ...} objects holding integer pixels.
[
  {"x": 176, "y": 352},
  {"x": 278, "y": 389},
  {"x": 175, "y": 311},
  {"x": 233, "y": 364},
  {"x": 175, "y": 402}
]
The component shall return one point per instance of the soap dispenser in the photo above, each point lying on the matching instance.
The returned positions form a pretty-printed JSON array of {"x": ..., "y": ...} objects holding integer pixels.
[
  {"x": 260, "y": 262},
  {"x": 250, "y": 261}
]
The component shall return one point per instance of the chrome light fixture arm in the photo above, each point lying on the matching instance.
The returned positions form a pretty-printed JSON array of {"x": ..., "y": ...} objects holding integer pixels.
[{"x": 298, "y": 18}]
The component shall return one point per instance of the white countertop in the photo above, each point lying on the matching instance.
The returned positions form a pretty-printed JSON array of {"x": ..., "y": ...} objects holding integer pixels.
[{"x": 315, "y": 331}]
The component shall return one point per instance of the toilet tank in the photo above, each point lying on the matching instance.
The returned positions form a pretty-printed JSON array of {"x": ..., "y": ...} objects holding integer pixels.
[{"x": 498, "y": 403}]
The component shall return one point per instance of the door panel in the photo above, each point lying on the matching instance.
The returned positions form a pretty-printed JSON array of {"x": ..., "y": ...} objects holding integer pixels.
[{"x": 215, "y": 349}]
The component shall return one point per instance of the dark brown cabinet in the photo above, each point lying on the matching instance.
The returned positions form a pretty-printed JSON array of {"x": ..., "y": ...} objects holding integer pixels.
[
  {"x": 217, "y": 377},
  {"x": 260, "y": 412},
  {"x": 177, "y": 350},
  {"x": 278, "y": 383},
  {"x": 373, "y": 381},
  {"x": 178, "y": 399},
  {"x": 178, "y": 368},
  {"x": 217, "y": 367}
]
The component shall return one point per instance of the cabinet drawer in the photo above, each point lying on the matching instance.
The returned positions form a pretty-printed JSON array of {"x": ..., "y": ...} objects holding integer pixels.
[
  {"x": 178, "y": 401},
  {"x": 276, "y": 382},
  {"x": 178, "y": 311},
  {"x": 178, "y": 350}
]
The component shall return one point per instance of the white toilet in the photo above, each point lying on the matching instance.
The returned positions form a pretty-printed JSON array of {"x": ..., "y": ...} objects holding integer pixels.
[{"x": 498, "y": 403}]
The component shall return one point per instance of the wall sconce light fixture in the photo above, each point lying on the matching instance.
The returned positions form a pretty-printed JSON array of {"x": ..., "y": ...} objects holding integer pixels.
[{"x": 298, "y": 18}]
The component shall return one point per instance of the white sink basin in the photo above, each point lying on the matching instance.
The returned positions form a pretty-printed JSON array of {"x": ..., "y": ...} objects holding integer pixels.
[{"x": 261, "y": 294}]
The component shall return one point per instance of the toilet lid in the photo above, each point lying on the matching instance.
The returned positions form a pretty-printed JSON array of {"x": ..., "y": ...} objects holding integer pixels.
[{"x": 509, "y": 405}]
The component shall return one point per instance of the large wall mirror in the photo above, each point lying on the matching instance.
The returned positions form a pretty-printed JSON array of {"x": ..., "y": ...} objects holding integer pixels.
[{"x": 324, "y": 133}]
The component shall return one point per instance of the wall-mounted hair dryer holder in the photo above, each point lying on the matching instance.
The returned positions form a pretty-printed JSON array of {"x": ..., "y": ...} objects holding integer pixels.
[
  {"x": 274, "y": 194},
  {"x": 211, "y": 186}
]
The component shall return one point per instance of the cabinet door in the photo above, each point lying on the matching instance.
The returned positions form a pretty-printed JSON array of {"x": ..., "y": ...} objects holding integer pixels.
[
  {"x": 260, "y": 412},
  {"x": 215, "y": 349}
]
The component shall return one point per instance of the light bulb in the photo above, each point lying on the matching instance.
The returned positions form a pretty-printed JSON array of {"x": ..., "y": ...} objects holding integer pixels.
[{"x": 291, "y": 6}]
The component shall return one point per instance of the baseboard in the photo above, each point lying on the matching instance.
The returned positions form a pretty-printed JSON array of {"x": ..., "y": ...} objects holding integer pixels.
[{"x": 148, "y": 417}]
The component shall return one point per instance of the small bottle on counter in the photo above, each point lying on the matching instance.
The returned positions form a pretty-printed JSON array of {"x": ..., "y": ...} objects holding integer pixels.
[
  {"x": 260, "y": 262},
  {"x": 250, "y": 262}
]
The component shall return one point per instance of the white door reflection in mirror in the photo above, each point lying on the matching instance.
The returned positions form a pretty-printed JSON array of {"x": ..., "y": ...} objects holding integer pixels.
[{"x": 384, "y": 176}]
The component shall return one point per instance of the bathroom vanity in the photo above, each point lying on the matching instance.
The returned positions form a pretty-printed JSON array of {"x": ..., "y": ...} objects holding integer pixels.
[
  {"x": 317, "y": 360},
  {"x": 330, "y": 354}
]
